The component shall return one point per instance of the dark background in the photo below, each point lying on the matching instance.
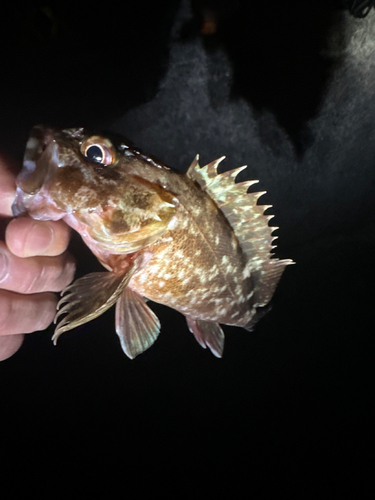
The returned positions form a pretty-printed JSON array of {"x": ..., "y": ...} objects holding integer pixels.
[{"x": 288, "y": 88}]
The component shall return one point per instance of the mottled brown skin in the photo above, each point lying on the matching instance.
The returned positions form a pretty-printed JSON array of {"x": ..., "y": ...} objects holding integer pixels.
[
  {"x": 135, "y": 206},
  {"x": 199, "y": 271}
]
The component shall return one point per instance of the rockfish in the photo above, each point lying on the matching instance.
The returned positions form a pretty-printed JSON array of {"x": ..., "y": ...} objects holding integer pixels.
[{"x": 196, "y": 242}]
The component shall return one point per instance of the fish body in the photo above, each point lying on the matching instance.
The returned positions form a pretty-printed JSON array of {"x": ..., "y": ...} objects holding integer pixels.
[{"x": 196, "y": 242}]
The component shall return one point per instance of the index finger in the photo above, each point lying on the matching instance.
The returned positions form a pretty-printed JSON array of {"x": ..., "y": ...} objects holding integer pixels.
[{"x": 7, "y": 188}]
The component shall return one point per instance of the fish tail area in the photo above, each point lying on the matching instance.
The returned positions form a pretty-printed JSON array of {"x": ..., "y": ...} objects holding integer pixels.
[
  {"x": 260, "y": 312},
  {"x": 208, "y": 334},
  {"x": 136, "y": 324},
  {"x": 268, "y": 278},
  {"x": 87, "y": 298}
]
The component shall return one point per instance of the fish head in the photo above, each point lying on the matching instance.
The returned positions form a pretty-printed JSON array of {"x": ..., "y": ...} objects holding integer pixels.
[{"x": 106, "y": 190}]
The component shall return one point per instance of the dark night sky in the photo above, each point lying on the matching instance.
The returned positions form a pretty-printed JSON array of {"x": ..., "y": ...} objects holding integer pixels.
[{"x": 288, "y": 88}]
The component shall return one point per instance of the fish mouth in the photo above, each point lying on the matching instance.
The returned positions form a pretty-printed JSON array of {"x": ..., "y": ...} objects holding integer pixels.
[
  {"x": 18, "y": 205},
  {"x": 32, "y": 175},
  {"x": 40, "y": 157},
  {"x": 36, "y": 160},
  {"x": 39, "y": 137}
]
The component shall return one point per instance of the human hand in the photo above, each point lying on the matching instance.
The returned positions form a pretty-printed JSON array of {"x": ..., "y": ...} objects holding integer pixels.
[{"x": 33, "y": 264}]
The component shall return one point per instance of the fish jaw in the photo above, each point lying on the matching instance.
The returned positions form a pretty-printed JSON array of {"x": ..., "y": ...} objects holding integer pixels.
[{"x": 39, "y": 206}]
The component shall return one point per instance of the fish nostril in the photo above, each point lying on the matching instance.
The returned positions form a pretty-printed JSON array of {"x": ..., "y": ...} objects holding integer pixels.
[{"x": 44, "y": 147}]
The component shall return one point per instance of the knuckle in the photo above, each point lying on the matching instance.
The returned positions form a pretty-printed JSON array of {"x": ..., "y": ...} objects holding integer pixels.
[
  {"x": 61, "y": 236},
  {"x": 48, "y": 274},
  {"x": 44, "y": 313},
  {"x": 66, "y": 271},
  {"x": 6, "y": 312}
]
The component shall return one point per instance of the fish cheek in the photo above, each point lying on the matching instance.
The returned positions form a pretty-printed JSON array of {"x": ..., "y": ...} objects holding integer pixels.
[
  {"x": 119, "y": 226},
  {"x": 70, "y": 191},
  {"x": 142, "y": 200}
]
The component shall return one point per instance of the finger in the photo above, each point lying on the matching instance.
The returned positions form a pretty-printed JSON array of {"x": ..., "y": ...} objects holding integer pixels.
[
  {"x": 7, "y": 188},
  {"x": 25, "y": 313},
  {"x": 35, "y": 274},
  {"x": 9, "y": 345},
  {"x": 26, "y": 237}
]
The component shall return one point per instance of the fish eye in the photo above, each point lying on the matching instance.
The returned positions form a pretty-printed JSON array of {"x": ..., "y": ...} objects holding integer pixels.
[
  {"x": 96, "y": 153},
  {"x": 98, "y": 150}
]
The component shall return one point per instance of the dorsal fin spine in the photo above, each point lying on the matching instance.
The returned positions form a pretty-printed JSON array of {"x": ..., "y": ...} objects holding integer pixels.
[{"x": 248, "y": 221}]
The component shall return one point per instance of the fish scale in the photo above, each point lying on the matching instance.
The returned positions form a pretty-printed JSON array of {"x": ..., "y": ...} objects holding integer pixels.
[{"x": 192, "y": 272}]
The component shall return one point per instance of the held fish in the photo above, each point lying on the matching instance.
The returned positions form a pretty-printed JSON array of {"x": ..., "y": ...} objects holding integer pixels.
[{"x": 196, "y": 242}]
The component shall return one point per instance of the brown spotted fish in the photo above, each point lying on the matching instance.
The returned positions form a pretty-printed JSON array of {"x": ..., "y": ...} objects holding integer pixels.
[{"x": 196, "y": 242}]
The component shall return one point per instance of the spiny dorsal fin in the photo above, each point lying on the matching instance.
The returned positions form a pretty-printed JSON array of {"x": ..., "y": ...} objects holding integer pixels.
[
  {"x": 248, "y": 221},
  {"x": 203, "y": 175}
]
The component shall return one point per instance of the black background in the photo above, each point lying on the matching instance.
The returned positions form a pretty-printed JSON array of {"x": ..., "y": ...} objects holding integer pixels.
[{"x": 280, "y": 86}]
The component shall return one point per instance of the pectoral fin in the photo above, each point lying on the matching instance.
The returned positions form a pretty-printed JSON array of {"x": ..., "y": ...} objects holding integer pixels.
[
  {"x": 136, "y": 324},
  {"x": 89, "y": 297},
  {"x": 208, "y": 334}
]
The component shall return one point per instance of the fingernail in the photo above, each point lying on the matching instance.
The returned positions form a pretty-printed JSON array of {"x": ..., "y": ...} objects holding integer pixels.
[
  {"x": 38, "y": 240},
  {"x": 4, "y": 266}
]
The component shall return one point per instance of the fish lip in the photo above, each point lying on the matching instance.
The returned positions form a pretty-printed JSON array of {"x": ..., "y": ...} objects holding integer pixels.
[
  {"x": 36, "y": 160},
  {"x": 40, "y": 137},
  {"x": 35, "y": 168},
  {"x": 18, "y": 205}
]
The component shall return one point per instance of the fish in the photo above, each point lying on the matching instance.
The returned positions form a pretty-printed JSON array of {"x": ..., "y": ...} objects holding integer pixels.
[{"x": 197, "y": 242}]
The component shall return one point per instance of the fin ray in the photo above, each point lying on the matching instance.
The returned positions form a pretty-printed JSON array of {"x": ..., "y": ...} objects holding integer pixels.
[
  {"x": 203, "y": 175},
  {"x": 87, "y": 298},
  {"x": 136, "y": 324},
  {"x": 270, "y": 277},
  {"x": 207, "y": 333}
]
